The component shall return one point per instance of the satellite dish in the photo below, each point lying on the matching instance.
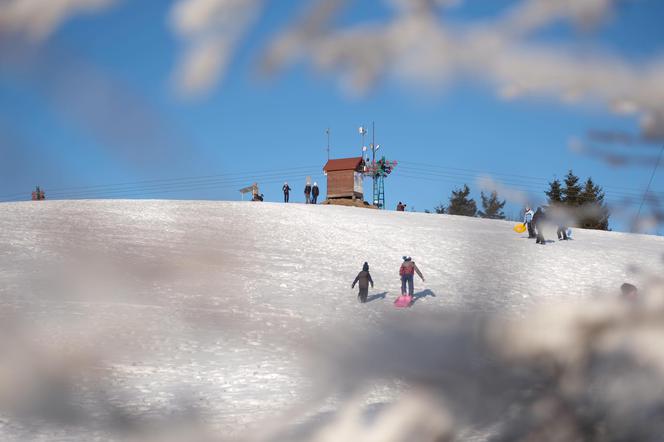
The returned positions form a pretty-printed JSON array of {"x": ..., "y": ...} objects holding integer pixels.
[
  {"x": 364, "y": 148},
  {"x": 362, "y": 130},
  {"x": 377, "y": 147}
]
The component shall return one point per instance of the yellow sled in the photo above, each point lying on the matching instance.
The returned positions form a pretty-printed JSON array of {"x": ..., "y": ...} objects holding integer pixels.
[{"x": 520, "y": 228}]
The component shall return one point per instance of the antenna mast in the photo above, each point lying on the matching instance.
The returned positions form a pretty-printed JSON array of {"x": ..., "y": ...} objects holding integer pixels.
[{"x": 327, "y": 132}]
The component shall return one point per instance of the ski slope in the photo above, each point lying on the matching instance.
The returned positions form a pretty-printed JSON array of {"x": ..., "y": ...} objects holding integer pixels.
[{"x": 212, "y": 306}]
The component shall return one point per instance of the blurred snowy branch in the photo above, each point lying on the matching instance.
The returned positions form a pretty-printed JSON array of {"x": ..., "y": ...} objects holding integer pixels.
[
  {"x": 38, "y": 19},
  {"x": 211, "y": 30},
  {"x": 417, "y": 46}
]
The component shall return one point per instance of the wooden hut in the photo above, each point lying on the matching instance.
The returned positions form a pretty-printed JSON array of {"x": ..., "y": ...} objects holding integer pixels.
[{"x": 344, "y": 178}]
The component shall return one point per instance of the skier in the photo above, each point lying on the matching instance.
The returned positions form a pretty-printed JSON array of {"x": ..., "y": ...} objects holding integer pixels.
[
  {"x": 314, "y": 193},
  {"x": 538, "y": 224},
  {"x": 307, "y": 193},
  {"x": 364, "y": 278},
  {"x": 286, "y": 190},
  {"x": 528, "y": 221},
  {"x": 407, "y": 273}
]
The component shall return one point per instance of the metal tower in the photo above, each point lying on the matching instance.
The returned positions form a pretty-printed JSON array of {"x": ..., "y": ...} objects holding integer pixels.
[
  {"x": 379, "y": 191},
  {"x": 378, "y": 171}
]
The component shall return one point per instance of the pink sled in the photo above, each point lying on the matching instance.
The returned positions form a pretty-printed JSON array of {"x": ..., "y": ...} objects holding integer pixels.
[{"x": 403, "y": 301}]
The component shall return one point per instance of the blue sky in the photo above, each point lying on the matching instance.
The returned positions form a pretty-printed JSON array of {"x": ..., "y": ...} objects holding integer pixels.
[{"x": 249, "y": 124}]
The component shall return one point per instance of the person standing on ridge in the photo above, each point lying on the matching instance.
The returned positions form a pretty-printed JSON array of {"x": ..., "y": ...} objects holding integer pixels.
[
  {"x": 538, "y": 224},
  {"x": 286, "y": 190},
  {"x": 407, "y": 273},
  {"x": 528, "y": 221},
  {"x": 307, "y": 193},
  {"x": 401, "y": 207},
  {"x": 314, "y": 193},
  {"x": 364, "y": 278}
]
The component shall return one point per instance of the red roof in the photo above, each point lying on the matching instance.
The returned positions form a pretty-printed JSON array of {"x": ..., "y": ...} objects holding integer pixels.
[{"x": 343, "y": 164}]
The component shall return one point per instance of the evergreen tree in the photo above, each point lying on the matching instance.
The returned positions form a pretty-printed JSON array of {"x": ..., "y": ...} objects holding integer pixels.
[
  {"x": 572, "y": 190},
  {"x": 492, "y": 207},
  {"x": 439, "y": 209},
  {"x": 595, "y": 214},
  {"x": 554, "y": 193},
  {"x": 460, "y": 204}
]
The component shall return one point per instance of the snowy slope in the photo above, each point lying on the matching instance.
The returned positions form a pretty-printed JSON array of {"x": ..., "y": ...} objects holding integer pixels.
[{"x": 209, "y": 305}]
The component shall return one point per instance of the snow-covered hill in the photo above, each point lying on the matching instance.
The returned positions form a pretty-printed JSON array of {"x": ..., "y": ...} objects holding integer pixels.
[{"x": 210, "y": 306}]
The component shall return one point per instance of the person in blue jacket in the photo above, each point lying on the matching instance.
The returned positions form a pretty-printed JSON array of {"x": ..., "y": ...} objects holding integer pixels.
[{"x": 528, "y": 221}]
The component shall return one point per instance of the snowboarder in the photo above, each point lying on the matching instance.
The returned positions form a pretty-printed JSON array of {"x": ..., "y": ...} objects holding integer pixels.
[
  {"x": 528, "y": 221},
  {"x": 538, "y": 224},
  {"x": 407, "y": 273},
  {"x": 364, "y": 278},
  {"x": 286, "y": 190},
  {"x": 307, "y": 193},
  {"x": 314, "y": 193}
]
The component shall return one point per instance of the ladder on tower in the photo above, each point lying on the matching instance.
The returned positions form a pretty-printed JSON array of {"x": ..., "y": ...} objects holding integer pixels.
[{"x": 379, "y": 191}]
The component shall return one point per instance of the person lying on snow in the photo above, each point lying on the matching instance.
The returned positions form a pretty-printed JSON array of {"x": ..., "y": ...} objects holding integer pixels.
[
  {"x": 364, "y": 278},
  {"x": 407, "y": 272}
]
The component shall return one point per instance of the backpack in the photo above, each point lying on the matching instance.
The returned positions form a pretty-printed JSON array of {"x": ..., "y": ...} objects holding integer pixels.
[{"x": 406, "y": 270}]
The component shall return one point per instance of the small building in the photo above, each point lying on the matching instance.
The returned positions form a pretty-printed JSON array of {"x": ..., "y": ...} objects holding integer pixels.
[{"x": 344, "y": 178}]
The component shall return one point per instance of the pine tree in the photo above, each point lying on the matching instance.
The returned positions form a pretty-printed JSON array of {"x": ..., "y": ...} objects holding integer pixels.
[
  {"x": 460, "y": 204},
  {"x": 492, "y": 207},
  {"x": 595, "y": 215},
  {"x": 439, "y": 209},
  {"x": 554, "y": 193},
  {"x": 572, "y": 190}
]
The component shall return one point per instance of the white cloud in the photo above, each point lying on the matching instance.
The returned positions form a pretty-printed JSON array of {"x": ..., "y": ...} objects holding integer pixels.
[{"x": 38, "y": 19}]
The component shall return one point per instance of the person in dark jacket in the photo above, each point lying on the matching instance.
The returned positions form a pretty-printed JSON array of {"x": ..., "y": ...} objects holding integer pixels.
[
  {"x": 401, "y": 207},
  {"x": 314, "y": 193},
  {"x": 307, "y": 193},
  {"x": 538, "y": 224},
  {"x": 364, "y": 278},
  {"x": 562, "y": 233},
  {"x": 286, "y": 190},
  {"x": 407, "y": 273}
]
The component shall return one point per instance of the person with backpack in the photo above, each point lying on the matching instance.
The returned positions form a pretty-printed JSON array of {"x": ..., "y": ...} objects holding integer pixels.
[
  {"x": 314, "y": 193},
  {"x": 286, "y": 190},
  {"x": 307, "y": 193},
  {"x": 407, "y": 273},
  {"x": 538, "y": 224},
  {"x": 528, "y": 221},
  {"x": 364, "y": 279}
]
